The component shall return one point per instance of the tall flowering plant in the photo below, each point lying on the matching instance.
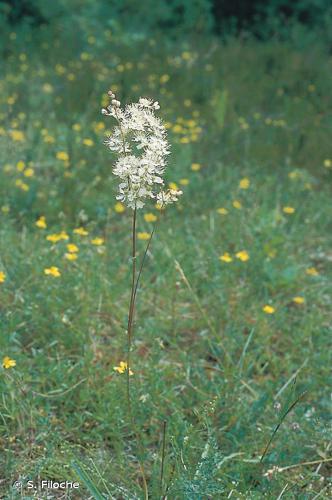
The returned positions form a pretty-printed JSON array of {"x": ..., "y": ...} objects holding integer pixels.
[{"x": 139, "y": 140}]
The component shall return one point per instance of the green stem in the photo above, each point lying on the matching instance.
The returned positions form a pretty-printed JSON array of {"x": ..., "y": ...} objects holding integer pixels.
[{"x": 129, "y": 343}]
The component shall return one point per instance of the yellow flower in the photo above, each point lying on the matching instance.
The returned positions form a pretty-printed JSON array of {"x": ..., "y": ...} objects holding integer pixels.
[
  {"x": 20, "y": 165},
  {"x": 98, "y": 126},
  {"x": 186, "y": 55},
  {"x": 164, "y": 78},
  {"x": 243, "y": 255},
  {"x": 150, "y": 218},
  {"x": 88, "y": 142},
  {"x": 298, "y": 300},
  {"x": 119, "y": 207},
  {"x": 17, "y": 135},
  {"x": 268, "y": 309},
  {"x": 21, "y": 185},
  {"x": 41, "y": 222},
  {"x": 81, "y": 231},
  {"x": 143, "y": 236},
  {"x": 312, "y": 271},
  {"x": 195, "y": 167},
  {"x": 294, "y": 174},
  {"x": 77, "y": 127},
  {"x": 29, "y": 172},
  {"x": 122, "y": 368},
  {"x": 288, "y": 210},
  {"x": 54, "y": 238},
  {"x": 237, "y": 204},
  {"x": 2, "y": 277},
  {"x": 62, "y": 155},
  {"x": 98, "y": 241},
  {"x": 173, "y": 185},
  {"x": 7, "y": 362},
  {"x": 184, "y": 182},
  {"x": 222, "y": 211},
  {"x": 52, "y": 271},
  {"x": 71, "y": 256},
  {"x": 327, "y": 163},
  {"x": 226, "y": 257},
  {"x": 177, "y": 129},
  {"x": 72, "y": 248},
  {"x": 244, "y": 183}
]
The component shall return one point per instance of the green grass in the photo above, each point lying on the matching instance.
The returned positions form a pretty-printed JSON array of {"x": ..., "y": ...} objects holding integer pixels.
[{"x": 262, "y": 112}]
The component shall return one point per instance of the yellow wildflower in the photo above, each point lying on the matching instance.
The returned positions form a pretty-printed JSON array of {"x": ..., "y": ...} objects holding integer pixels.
[
  {"x": 164, "y": 78},
  {"x": 41, "y": 222},
  {"x": 312, "y": 271},
  {"x": 20, "y": 165},
  {"x": 88, "y": 142},
  {"x": 22, "y": 185},
  {"x": 298, "y": 300},
  {"x": 177, "y": 129},
  {"x": 29, "y": 172},
  {"x": 288, "y": 210},
  {"x": 72, "y": 248},
  {"x": 62, "y": 155},
  {"x": 244, "y": 183},
  {"x": 7, "y": 362},
  {"x": 327, "y": 163},
  {"x": 119, "y": 207},
  {"x": 226, "y": 257},
  {"x": 237, "y": 204},
  {"x": 98, "y": 241},
  {"x": 184, "y": 182},
  {"x": 81, "y": 231},
  {"x": 195, "y": 167},
  {"x": 173, "y": 185},
  {"x": 243, "y": 255},
  {"x": 268, "y": 309},
  {"x": 122, "y": 368},
  {"x": 71, "y": 256},
  {"x": 143, "y": 236},
  {"x": 294, "y": 174},
  {"x": 150, "y": 218},
  {"x": 2, "y": 277},
  {"x": 17, "y": 135},
  {"x": 52, "y": 271},
  {"x": 222, "y": 211},
  {"x": 186, "y": 55},
  {"x": 54, "y": 238}
]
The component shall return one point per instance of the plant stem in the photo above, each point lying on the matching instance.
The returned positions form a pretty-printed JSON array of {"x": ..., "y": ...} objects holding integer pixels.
[
  {"x": 129, "y": 343},
  {"x": 163, "y": 457}
]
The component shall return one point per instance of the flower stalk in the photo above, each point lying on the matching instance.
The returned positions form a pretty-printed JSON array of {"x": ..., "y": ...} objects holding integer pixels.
[{"x": 140, "y": 143}]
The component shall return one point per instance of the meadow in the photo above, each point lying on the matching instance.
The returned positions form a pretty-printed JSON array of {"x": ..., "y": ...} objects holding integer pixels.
[{"x": 234, "y": 307}]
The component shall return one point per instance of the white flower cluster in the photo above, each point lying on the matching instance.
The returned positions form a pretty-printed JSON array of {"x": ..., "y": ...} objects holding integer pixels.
[{"x": 139, "y": 140}]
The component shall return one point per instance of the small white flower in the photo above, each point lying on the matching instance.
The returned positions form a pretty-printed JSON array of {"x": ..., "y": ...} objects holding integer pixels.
[
  {"x": 167, "y": 197},
  {"x": 139, "y": 139}
]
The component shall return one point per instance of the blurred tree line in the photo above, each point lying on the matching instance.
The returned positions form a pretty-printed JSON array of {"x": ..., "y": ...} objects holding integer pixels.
[{"x": 259, "y": 17}]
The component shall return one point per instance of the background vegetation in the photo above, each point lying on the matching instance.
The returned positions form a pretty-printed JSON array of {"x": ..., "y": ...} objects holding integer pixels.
[{"x": 233, "y": 315}]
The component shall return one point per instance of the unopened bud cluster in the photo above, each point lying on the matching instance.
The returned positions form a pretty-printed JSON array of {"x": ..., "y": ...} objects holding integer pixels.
[{"x": 139, "y": 139}]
